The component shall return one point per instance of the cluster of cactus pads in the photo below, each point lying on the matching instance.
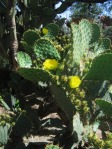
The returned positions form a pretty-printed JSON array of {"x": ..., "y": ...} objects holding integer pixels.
[
  {"x": 87, "y": 42},
  {"x": 37, "y": 48}
]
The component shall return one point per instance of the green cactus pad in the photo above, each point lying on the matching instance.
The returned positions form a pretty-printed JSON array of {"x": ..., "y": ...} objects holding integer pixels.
[
  {"x": 4, "y": 134},
  {"x": 22, "y": 126},
  {"x": 35, "y": 75},
  {"x": 53, "y": 29},
  {"x": 90, "y": 33},
  {"x": 84, "y": 35},
  {"x": 95, "y": 33},
  {"x": 102, "y": 45},
  {"x": 101, "y": 68},
  {"x": 44, "y": 49},
  {"x": 63, "y": 102},
  {"x": 51, "y": 146},
  {"x": 28, "y": 49},
  {"x": 77, "y": 51},
  {"x": 23, "y": 59},
  {"x": 30, "y": 36},
  {"x": 105, "y": 106}
]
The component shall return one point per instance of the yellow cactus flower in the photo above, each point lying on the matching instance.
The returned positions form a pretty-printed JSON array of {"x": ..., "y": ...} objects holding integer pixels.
[
  {"x": 45, "y": 31},
  {"x": 50, "y": 64},
  {"x": 74, "y": 81}
]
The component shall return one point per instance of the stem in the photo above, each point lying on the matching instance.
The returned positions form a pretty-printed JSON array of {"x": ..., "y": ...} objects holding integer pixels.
[{"x": 11, "y": 11}]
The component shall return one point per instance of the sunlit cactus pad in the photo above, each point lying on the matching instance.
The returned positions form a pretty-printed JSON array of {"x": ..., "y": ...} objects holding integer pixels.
[
  {"x": 35, "y": 75},
  {"x": 84, "y": 35},
  {"x": 45, "y": 49},
  {"x": 4, "y": 134},
  {"x": 23, "y": 59}
]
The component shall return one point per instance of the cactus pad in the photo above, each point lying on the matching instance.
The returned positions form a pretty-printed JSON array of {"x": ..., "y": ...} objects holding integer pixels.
[
  {"x": 53, "y": 29},
  {"x": 44, "y": 49},
  {"x": 24, "y": 59},
  {"x": 51, "y": 146},
  {"x": 27, "y": 48},
  {"x": 30, "y": 36},
  {"x": 102, "y": 46},
  {"x": 105, "y": 106},
  {"x": 90, "y": 33},
  {"x": 22, "y": 126},
  {"x": 4, "y": 134},
  {"x": 62, "y": 100},
  {"x": 35, "y": 75},
  {"x": 84, "y": 35},
  {"x": 101, "y": 68}
]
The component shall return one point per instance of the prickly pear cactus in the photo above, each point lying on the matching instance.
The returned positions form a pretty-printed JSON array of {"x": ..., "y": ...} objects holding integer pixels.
[
  {"x": 44, "y": 49},
  {"x": 51, "y": 146},
  {"x": 4, "y": 134},
  {"x": 63, "y": 102},
  {"x": 23, "y": 59},
  {"x": 28, "y": 48},
  {"x": 102, "y": 45},
  {"x": 101, "y": 68},
  {"x": 105, "y": 106},
  {"x": 84, "y": 35},
  {"x": 87, "y": 42},
  {"x": 35, "y": 75},
  {"x": 53, "y": 29},
  {"x": 30, "y": 36}
]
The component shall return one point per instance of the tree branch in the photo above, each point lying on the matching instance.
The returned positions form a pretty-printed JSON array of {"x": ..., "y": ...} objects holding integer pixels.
[{"x": 11, "y": 11}]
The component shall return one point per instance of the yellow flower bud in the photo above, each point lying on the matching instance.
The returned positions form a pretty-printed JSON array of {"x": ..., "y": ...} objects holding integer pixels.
[
  {"x": 86, "y": 109},
  {"x": 56, "y": 78},
  {"x": 82, "y": 94},
  {"x": 77, "y": 102},
  {"x": 45, "y": 31},
  {"x": 13, "y": 124},
  {"x": 84, "y": 103},
  {"x": 64, "y": 78}
]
